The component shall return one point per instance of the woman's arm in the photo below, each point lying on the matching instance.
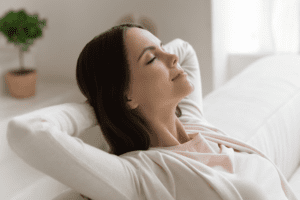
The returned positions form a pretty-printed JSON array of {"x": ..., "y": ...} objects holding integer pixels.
[{"x": 47, "y": 140}]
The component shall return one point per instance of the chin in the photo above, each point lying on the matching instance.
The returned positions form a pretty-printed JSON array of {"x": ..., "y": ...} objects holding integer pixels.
[{"x": 191, "y": 89}]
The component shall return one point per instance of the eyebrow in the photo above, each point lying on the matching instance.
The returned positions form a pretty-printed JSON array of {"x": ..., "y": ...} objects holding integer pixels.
[{"x": 148, "y": 48}]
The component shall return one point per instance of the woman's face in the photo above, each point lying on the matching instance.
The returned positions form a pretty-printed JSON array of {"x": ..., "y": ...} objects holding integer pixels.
[{"x": 152, "y": 71}]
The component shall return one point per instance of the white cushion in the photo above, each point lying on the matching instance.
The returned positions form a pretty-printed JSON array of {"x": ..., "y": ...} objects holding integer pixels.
[{"x": 261, "y": 106}]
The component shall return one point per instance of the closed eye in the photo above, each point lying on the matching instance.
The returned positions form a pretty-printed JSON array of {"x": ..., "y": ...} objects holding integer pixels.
[
  {"x": 161, "y": 45},
  {"x": 151, "y": 60}
]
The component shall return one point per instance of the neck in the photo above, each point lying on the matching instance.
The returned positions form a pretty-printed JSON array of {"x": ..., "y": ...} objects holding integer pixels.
[
  {"x": 166, "y": 129},
  {"x": 162, "y": 136}
]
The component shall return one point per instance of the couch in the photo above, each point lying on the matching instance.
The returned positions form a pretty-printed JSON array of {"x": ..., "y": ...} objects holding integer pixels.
[{"x": 260, "y": 106}]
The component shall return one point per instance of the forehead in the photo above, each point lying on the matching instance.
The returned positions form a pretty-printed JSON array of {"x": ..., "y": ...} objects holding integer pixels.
[{"x": 137, "y": 39}]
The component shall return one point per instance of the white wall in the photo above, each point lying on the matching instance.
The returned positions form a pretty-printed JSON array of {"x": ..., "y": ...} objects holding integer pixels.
[{"x": 71, "y": 24}]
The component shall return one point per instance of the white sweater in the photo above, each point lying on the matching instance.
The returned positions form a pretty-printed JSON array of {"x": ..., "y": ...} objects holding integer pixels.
[{"x": 206, "y": 167}]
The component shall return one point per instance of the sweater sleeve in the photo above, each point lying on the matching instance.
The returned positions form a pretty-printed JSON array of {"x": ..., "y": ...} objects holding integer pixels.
[
  {"x": 192, "y": 105},
  {"x": 47, "y": 139}
]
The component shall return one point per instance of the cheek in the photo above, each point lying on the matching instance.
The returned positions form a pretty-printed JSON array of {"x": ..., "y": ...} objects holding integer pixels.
[
  {"x": 152, "y": 80},
  {"x": 155, "y": 84},
  {"x": 155, "y": 77}
]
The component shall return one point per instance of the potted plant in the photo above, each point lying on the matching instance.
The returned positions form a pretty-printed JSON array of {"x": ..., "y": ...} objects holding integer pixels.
[{"x": 21, "y": 29}]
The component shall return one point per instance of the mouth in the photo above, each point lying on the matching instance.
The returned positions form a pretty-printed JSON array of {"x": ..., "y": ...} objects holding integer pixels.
[{"x": 177, "y": 76}]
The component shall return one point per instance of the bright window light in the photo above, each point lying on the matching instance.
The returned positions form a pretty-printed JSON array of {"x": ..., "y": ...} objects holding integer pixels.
[{"x": 243, "y": 26}]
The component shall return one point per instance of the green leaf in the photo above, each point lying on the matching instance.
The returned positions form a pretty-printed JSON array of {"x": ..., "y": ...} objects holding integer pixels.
[{"x": 19, "y": 27}]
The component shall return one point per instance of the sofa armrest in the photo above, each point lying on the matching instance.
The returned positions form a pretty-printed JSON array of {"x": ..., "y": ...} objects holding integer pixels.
[{"x": 261, "y": 106}]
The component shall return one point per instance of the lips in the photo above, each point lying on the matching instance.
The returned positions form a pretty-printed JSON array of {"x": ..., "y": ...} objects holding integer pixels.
[
  {"x": 180, "y": 72},
  {"x": 176, "y": 77}
]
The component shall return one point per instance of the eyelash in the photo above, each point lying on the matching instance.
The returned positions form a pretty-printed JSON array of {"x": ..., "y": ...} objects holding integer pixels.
[
  {"x": 154, "y": 57},
  {"x": 151, "y": 61}
]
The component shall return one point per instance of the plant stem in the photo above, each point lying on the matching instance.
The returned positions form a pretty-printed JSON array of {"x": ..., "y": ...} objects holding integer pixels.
[{"x": 21, "y": 57}]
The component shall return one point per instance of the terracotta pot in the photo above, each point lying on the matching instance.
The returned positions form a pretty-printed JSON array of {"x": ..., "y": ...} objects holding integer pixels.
[{"x": 21, "y": 83}]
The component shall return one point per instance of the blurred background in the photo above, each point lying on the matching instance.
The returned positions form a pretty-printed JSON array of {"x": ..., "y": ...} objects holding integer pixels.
[{"x": 227, "y": 35}]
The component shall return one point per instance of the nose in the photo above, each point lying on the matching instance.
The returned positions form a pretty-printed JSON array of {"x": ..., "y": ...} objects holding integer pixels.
[
  {"x": 176, "y": 59},
  {"x": 173, "y": 60}
]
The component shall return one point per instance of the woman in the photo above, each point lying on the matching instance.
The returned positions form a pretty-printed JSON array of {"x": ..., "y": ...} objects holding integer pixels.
[{"x": 136, "y": 89}]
